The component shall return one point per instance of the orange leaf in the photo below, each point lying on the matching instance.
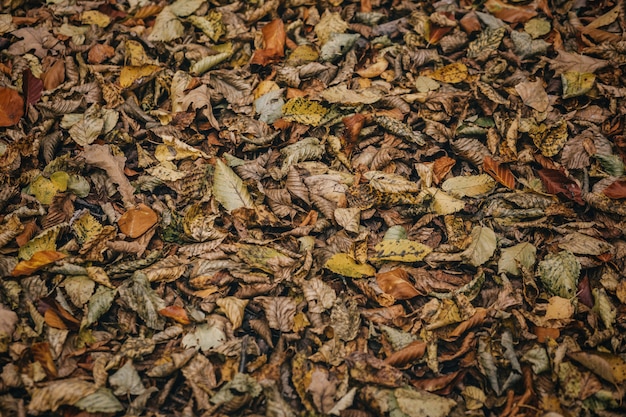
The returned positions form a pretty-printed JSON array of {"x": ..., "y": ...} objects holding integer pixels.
[
  {"x": 408, "y": 354},
  {"x": 274, "y": 36},
  {"x": 42, "y": 354},
  {"x": 11, "y": 107},
  {"x": 543, "y": 333},
  {"x": 176, "y": 313},
  {"x": 396, "y": 283},
  {"x": 99, "y": 53},
  {"x": 478, "y": 318},
  {"x": 39, "y": 260},
  {"x": 52, "y": 319},
  {"x": 353, "y": 124},
  {"x": 441, "y": 167},
  {"x": 501, "y": 174},
  {"x": 137, "y": 221}
]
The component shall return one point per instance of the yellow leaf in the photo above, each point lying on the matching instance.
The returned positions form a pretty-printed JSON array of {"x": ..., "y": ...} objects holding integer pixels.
[
  {"x": 344, "y": 264},
  {"x": 45, "y": 241},
  {"x": 60, "y": 179},
  {"x": 86, "y": 228},
  {"x": 549, "y": 140},
  {"x": 559, "y": 308},
  {"x": 305, "y": 111},
  {"x": 400, "y": 250},
  {"x": 94, "y": 17},
  {"x": 131, "y": 74},
  {"x": 135, "y": 55},
  {"x": 452, "y": 74},
  {"x": 43, "y": 189},
  {"x": 577, "y": 83}
]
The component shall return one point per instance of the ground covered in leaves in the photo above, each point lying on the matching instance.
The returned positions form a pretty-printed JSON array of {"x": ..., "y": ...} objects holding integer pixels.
[{"x": 292, "y": 207}]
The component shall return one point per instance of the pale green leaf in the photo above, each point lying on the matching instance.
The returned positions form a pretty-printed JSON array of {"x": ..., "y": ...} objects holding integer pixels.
[
  {"x": 79, "y": 288},
  {"x": 538, "y": 359},
  {"x": 99, "y": 303},
  {"x": 86, "y": 131},
  {"x": 395, "y": 232},
  {"x": 239, "y": 385},
  {"x": 612, "y": 164},
  {"x": 604, "y": 307},
  {"x": 101, "y": 401},
  {"x": 166, "y": 27},
  {"x": 416, "y": 403},
  {"x": 523, "y": 254},
  {"x": 142, "y": 299},
  {"x": 205, "y": 337},
  {"x": 229, "y": 190},
  {"x": 559, "y": 273},
  {"x": 127, "y": 381},
  {"x": 398, "y": 338},
  {"x": 183, "y": 8},
  {"x": 469, "y": 186},
  {"x": 338, "y": 44},
  {"x": 481, "y": 248}
]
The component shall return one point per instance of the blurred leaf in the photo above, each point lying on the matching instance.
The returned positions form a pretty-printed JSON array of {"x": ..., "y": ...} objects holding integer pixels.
[
  {"x": 126, "y": 381},
  {"x": 616, "y": 189},
  {"x": 11, "y": 107}
]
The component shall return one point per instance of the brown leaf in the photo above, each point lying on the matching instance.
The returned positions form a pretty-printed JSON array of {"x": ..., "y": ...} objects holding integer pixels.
[
  {"x": 274, "y": 36},
  {"x": 396, "y": 283},
  {"x": 510, "y": 13},
  {"x": 501, "y": 174},
  {"x": 100, "y": 53},
  {"x": 478, "y": 318},
  {"x": 11, "y": 107},
  {"x": 54, "y": 76},
  {"x": 441, "y": 167}
]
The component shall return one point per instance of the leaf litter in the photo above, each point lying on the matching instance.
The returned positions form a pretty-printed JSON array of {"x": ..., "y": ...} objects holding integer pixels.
[{"x": 349, "y": 208}]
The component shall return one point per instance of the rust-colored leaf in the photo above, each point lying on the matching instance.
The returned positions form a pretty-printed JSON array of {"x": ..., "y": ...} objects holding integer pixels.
[
  {"x": 616, "y": 190},
  {"x": 42, "y": 354},
  {"x": 556, "y": 182},
  {"x": 501, "y": 174},
  {"x": 11, "y": 107},
  {"x": 33, "y": 87}
]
